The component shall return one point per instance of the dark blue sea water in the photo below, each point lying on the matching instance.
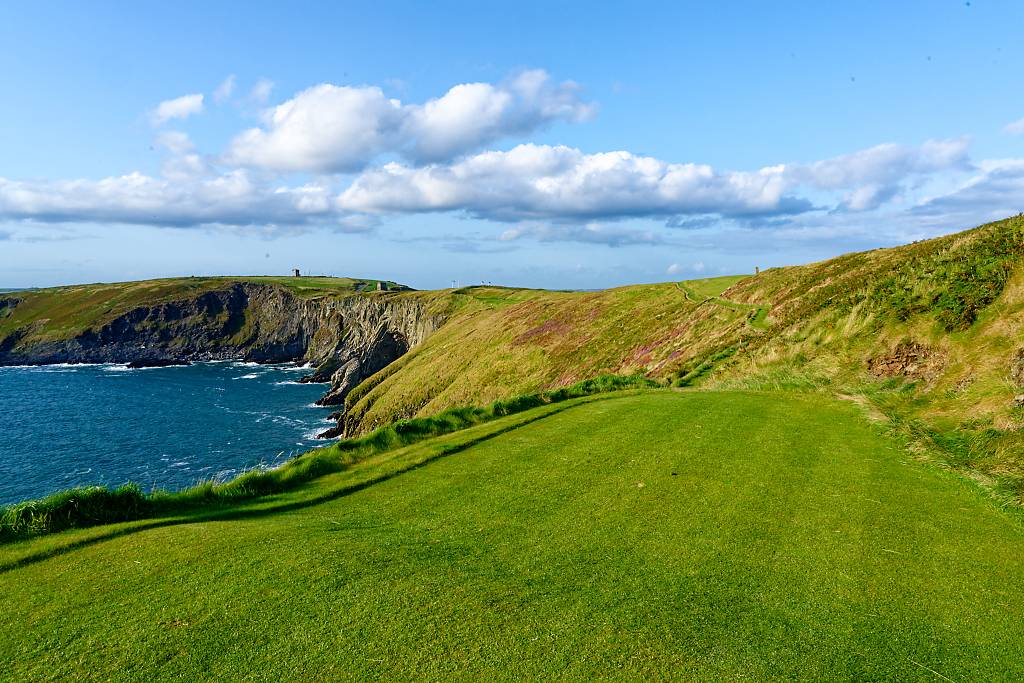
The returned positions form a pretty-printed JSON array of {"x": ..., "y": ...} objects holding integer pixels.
[{"x": 63, "y": 426}]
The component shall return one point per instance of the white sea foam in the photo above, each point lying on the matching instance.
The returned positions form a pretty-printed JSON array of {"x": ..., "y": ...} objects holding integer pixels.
[
  {"x": 58, "y": 367},
  {"x": 55, "y": 369},
  {"x": 287, "y": 383},
  {"x": 296, "y": 368},
  {"x": 61, "y": 367},
  {"x": 116, "y": 368},
  {"x": 251, "y": 375}
]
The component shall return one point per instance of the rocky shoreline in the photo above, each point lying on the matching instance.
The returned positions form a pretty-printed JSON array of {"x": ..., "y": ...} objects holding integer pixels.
[{"x": 345, "y": 338}]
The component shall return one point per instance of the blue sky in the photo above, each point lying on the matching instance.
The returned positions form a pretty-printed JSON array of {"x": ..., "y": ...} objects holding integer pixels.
[{"x": 536, "y": 144}]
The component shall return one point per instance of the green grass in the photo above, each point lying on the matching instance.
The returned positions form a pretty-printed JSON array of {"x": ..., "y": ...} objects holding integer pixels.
[
  {"x": 94, "y": 505},
  {"x": 955, "y": 285},
  {"x": 662, "y": 535},
  {"x": 712, "y": 287},
  {"x": 310, "y": 286}
]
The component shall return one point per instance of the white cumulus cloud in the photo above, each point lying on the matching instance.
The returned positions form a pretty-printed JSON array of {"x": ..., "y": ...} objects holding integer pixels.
[
  {"x": 325, "y": 128},
  {"x": 544, "y": 193},
  {"x": 183, "y": 161},
  {"x": 547, "y": 182},
  {"x": 330, "y": 128},
  {"x": 473, "y": 114},
  {"x": 178, "y": 108},
  {"x": 230, "y": 199},
  {"x": 876, "y": 175},
  {"x": 1015, "y": 128},
  {"x": 996, "y": 192}
]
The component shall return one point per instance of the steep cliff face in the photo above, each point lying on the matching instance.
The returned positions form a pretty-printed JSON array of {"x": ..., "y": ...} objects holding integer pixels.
[
  {"x": 357, "y": 336},
  {"x": 344, "y": 338}
]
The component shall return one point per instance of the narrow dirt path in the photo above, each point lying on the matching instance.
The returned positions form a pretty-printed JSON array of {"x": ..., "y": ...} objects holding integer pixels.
[{"x": 756, "y": 315}]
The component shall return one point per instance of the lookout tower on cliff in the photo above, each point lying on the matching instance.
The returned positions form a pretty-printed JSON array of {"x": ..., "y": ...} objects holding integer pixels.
[{"x": 296, "y": 273}]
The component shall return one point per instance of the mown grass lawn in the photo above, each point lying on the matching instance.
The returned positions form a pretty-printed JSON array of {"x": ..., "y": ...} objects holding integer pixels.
[{"x": 661, "y": 535}]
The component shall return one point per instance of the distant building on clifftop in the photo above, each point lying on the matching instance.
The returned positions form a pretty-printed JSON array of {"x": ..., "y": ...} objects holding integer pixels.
[{"x": 296, "y": 273}]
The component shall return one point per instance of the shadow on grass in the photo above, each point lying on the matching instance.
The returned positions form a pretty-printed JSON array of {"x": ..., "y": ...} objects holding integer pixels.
[
  {"x": 97, "y": 505},
  {"x": 257, "y": 513}
]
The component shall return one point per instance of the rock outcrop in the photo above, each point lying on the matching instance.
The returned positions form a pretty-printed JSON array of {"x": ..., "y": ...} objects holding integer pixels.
[
  {"x": 1017, "y": 368},
  {"x": 7, "y": 305},
  {"x": 344, "y": 338},
  {"x": 908, "y": 359},
  {"x": 162, "y": 363}
]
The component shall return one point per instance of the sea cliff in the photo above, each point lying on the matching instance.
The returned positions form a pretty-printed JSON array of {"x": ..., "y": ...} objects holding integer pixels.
[{"x": 344, "y": 338}]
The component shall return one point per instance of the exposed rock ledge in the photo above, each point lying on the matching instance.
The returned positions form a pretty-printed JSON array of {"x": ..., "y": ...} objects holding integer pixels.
[
  {"x": 345, "y": 339},
  {"x": 155, "y": 363}
]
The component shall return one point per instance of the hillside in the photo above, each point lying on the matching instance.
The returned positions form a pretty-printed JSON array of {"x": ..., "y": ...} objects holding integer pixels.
[
  {"x": 931, "y": 333},
  {"x": 855, "y": 310},
  {"x": 513, "y": 341},
  {"x": 693, "y": 535}
]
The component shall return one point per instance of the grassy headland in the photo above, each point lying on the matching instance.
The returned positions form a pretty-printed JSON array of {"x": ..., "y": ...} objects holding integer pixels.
[
  {"x": 62, "y": 312},
  {"x": 930, "y": 332}
]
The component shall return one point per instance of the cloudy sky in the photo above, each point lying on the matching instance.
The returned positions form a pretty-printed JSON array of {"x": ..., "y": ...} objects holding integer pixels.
[{"x": 544, "y": 144}]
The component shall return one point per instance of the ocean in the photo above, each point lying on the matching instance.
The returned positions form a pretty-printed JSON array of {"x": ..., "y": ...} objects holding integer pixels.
[{"x": 72, "y": 425}]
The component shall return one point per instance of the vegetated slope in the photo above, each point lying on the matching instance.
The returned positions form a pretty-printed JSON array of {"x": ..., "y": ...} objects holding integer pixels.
[
  {"x": 933, "y": 332},
  {"x": 696, "y": 535},
  {"x": 945, "y": 290},
  {"x": 516, "y": 341},
  {"x": 485, "y": 342}
]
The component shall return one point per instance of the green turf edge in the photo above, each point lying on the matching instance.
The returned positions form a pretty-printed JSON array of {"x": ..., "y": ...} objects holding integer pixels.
[{"x": 98, "y": 505}]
